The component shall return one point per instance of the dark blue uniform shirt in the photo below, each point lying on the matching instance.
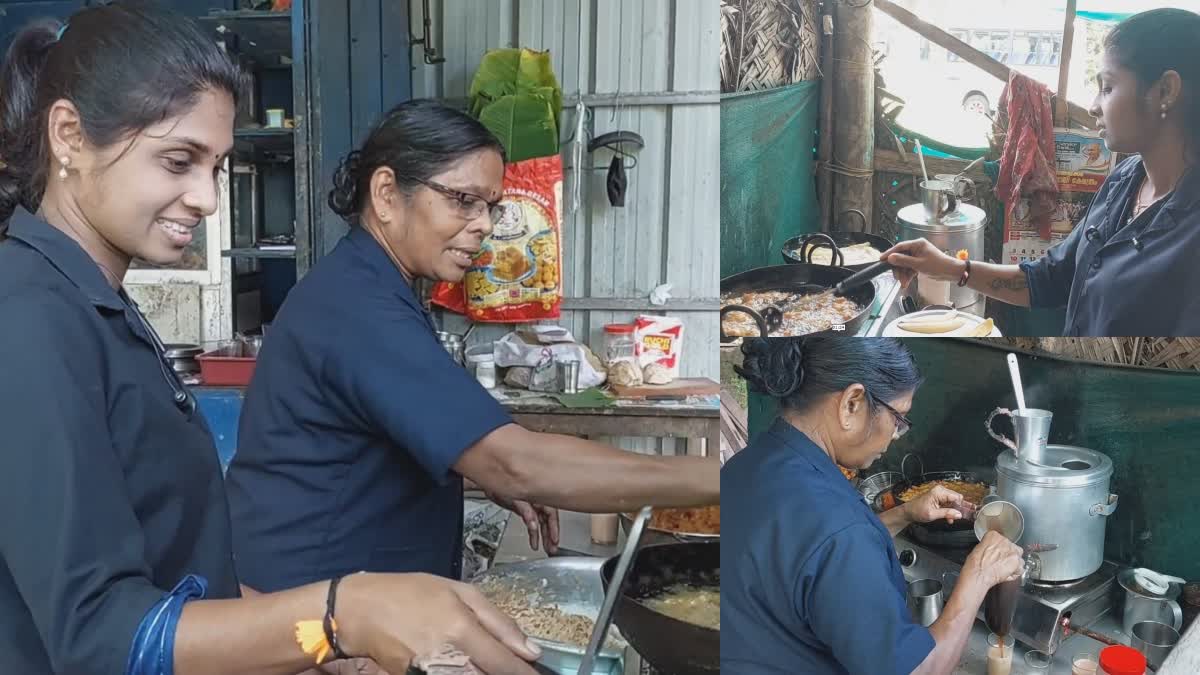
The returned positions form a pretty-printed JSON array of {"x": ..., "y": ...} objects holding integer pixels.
[
  {"x": 810, "y": 581},
  {"x": 1118, "y": 279},
  {"x": 351, "y": 426},
  {"x": 110, "y": 492}
]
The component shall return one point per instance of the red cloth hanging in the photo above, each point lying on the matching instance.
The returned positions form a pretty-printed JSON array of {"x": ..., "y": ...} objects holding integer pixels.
[{"x": 1027, "y": 166}]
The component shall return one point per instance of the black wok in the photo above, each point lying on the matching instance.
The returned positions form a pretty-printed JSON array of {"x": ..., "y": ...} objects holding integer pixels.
[
  {"x": 667, "y": 644},
  {"x": 801, "y": 279},
  {"x": 938, "y": 533},
  {"x": 798, "y": 250}
]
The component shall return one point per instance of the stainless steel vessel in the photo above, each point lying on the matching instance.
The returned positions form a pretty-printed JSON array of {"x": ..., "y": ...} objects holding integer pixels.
[
  {"x": 961, "y": 229},
  {"x": 1066, "y": 502},
  {"x": 1041, "y": 608}
]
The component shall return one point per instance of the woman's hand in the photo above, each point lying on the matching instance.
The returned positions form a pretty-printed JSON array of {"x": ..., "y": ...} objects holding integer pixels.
[
  {"x": 918, "y": 255},
  {"x": 395, "y": 618},
  {"x": 936, "y": 504},
  {"x": 994, "y": 560},
  {"x": 541, "y": 521}
]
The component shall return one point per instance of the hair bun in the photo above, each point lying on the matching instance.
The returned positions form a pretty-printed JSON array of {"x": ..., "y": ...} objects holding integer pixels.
[
  {"x": 344, "y": 198},
  {"x": 773, "y": 366}
]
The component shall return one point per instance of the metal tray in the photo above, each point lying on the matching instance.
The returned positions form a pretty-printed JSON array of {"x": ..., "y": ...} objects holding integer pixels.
[{"x": 575, "y": 585}]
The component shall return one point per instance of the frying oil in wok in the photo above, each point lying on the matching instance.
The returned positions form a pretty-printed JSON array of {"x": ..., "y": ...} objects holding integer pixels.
[
  {"x": 802, "y": 313},
  {"x": 699, "y": 605}
]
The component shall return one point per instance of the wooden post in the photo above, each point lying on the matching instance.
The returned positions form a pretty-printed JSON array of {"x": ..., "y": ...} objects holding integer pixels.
[
  {"x": 854, "y": 100},
  {"x": 825, "y": 142},
  {"x": 1061, "y": 114}
]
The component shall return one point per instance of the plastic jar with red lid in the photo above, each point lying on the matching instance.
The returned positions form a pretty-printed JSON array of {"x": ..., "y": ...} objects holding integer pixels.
[
  {"x": 619, "y": 344},
  {"x": 1122, "y": 660}
]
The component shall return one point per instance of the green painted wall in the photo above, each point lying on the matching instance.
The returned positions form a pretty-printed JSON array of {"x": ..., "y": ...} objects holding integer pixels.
[{"x": 1147, "y": 421}]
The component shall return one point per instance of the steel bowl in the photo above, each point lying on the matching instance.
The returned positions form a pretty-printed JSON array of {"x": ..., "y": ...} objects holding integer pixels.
[{"x": 872, "y": 485}]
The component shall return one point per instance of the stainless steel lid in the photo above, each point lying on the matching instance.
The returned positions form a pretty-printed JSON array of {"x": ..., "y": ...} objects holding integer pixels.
[
  {"x": 182, "y": 351},
  {"x": 966, "y": 218},
  {"x": 1063, "y": 466},
  {"x": 1129, "y": 583}
]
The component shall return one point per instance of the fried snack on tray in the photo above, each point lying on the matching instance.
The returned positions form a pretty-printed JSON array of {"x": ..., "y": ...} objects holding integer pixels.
[
  {"x": 972, "y": 492},
  {"x": 702, "y": 520}
]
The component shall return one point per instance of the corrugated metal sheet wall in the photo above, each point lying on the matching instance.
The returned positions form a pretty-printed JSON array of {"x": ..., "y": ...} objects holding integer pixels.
[{"x": 669, "y": 230}]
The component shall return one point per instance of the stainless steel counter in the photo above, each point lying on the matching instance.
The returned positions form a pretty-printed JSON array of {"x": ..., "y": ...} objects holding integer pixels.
[{"x": 974, "y": 659}]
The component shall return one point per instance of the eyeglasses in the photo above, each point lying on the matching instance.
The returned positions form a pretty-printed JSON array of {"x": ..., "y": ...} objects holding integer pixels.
[
  {"x": 903, "y": 424},
  {"x": 471, "y": 206}
]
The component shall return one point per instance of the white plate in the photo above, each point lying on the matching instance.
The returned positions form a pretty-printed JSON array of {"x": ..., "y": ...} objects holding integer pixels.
[{"x": 893, "y": 329}]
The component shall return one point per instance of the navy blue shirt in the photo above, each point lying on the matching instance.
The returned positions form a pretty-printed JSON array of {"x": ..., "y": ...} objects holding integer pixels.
[
  {"x": 351, "y": 427},
  {"x": 810, "y": 581},
  {"x": 110, "y": 492},
  {"x": 1120, "y": 279}
]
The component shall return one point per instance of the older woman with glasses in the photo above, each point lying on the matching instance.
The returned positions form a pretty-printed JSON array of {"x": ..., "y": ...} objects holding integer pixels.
[
  {"x": 809, "y": 573},
  {"x": 359, "y": 428}
]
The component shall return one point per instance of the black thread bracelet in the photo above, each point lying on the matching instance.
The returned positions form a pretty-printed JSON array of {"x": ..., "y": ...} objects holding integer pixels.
[{"x": 329, "y": 622}]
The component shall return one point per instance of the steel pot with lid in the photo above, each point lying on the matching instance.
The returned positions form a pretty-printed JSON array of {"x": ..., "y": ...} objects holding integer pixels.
[
  {"x": 1065, "y": 502},
  {"x": 961, "y": 229}
]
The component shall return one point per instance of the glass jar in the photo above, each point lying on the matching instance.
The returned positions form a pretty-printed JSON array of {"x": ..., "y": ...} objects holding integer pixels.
[
  {"x": 485, "y": 372},
  {"x": 618, "y": 343}
]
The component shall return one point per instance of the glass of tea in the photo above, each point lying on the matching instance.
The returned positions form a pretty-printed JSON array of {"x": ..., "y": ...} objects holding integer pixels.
[
  {"x": 999, "y": 655},
  {"x": 1085, "y": 663}
]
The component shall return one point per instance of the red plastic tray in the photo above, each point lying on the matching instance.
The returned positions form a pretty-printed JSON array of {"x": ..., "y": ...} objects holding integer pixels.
[{"x": 219, "y": 369}]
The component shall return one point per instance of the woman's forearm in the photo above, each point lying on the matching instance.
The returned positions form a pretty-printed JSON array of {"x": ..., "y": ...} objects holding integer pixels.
[
  {"x": 579, "y": 475},
  {"x": 254, "y": 634},
  {"x": 895, "y": 520},
  {"x": 1006, "y": 283}
]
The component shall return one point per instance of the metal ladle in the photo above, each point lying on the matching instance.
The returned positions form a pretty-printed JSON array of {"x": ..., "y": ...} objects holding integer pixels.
[{"x": 600, "y": 632}]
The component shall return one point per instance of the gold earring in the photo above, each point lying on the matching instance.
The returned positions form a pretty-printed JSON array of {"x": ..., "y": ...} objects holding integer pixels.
[{"x": 62, "y": 172}]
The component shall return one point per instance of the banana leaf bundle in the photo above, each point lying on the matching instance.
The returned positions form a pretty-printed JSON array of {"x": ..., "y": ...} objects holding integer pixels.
[{"x": 516, "y": 96}]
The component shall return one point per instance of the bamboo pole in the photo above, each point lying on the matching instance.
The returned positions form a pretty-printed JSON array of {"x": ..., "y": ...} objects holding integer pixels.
[
  {"x": 966, "y": 52},
  {"x": 890, "y": 161},
  {"x": 1061, "y": 115},
  {"x": 825, "y": 143},
  {"x": 854, "y": 100}
]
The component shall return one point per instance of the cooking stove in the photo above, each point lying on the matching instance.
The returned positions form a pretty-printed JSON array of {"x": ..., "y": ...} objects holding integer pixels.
[{"x": 1041, "y": 607}]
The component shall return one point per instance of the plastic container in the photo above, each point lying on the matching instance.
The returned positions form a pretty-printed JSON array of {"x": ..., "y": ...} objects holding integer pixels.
[
  {"x": 222, "y": 368},
  {"x": 485, "y": 372},
  {"x": 604, "y": 528},
  {"x": 619, "y": 344},
  {"x": 1122, "y": 660}
]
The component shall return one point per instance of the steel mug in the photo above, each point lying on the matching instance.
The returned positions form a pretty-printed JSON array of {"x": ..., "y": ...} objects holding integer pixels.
[
  {"x": 1155, "y": 640},
  {"x": 938, "y": 198},
  {"x": 1140, "y": 608},
  {"x": 964, "y": 188},
  {"x": 1033, "y": 432},
  {"x": 925, "y": 600}
]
